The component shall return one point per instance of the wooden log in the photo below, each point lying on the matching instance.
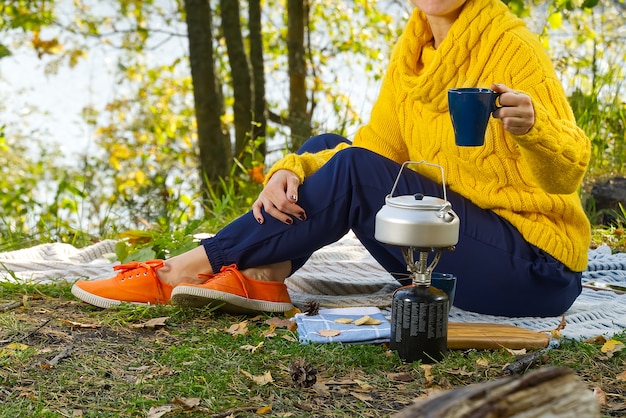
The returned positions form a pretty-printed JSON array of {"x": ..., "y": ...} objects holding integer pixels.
[{"x": 555, "y": 392}]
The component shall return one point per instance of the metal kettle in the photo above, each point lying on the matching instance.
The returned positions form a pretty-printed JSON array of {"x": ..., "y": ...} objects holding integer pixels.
[{"x": 417, "y": 220}]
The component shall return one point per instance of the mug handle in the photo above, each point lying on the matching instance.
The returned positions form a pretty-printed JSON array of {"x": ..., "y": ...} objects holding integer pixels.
[{"x": 495, "y": 103}]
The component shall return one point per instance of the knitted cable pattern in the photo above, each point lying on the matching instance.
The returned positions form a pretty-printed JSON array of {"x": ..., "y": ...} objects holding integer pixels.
[{"x": 480, "y": 23}]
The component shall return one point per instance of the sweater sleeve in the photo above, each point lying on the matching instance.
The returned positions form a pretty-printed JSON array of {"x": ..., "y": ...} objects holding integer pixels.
[
  {"x": 555, "y": 150},
  {"x": 304, "y": 165}
]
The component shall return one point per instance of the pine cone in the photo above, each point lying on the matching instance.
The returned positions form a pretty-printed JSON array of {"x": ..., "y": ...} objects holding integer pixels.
[
  {"x": 302, "y": 373},
  {"x": 311, "y": 307}
]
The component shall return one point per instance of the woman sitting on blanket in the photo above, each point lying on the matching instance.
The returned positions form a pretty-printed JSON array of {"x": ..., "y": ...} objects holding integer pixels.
[{"x": 523, "y": 236}]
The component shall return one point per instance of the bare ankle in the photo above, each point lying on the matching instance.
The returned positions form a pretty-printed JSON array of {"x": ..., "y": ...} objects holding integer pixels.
[
  {"x": 185, "y": 268},
  {"x": 277, "y": 272}
]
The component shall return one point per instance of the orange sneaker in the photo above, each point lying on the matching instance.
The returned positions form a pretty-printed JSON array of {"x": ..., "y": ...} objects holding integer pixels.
[
  {"x": 234, "y": 292},
  {"x": 135, "y": 283}
]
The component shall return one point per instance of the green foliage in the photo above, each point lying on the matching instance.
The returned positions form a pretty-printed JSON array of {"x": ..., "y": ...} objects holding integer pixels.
[
  {"x": 27, "y": 15},
  {"x": 138, "y": 245},
  {"x": 37, "y": 196},
  {"x": 144, "y": 175}
]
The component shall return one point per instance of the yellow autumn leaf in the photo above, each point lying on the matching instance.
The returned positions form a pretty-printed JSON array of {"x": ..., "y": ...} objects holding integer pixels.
[
  {"x": 140, "y": 177},
  {"x": 555, "y": 20},
  {"x": 612, "y": 346},
  {"x": 12, "y": 349},
  {"x": 121, "y": 151},
  {"x": 270, "y": 332},
  {"x": 264, "y": 410},
  {"x": 292, "y": 312},
  {"x": 114, "y": 162}
]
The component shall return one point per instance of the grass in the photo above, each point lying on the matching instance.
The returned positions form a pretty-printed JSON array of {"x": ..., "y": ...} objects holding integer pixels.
[{"x": 60, "y": 358}]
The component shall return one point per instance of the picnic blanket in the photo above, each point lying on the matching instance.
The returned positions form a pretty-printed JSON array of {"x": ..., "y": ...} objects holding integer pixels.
[
  {"x": 344, "y": 274},
  {"x": 311, "y": 328}
]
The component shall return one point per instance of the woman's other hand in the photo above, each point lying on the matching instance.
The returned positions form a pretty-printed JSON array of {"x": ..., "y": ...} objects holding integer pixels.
[
  {"x": 517, "y": 112},
  {"x": 278, "y": 198}
]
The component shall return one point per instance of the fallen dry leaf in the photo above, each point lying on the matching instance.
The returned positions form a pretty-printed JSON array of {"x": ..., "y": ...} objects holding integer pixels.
[
  {"x": 261, "y": 379},
  {"x": 252, "y": 348},
  {"x": 612, "y": 346},
  {"x": 187, "y": 403},
  {"x": 482, "y": 363},
  {"x": 363, "y": 385},
  {"x": 264, "y": 410},
  {"x": 238, "y": 329},
  {"x": 159, "y": 411},
  {"x": 80, "y": 324},
  {"x": 329, "y": 332},
  {"x": 293, "y": 326},
  {"x": 344, "y": 320},
  {"x": 622, "y": 376},
  {"x": 598, "y": 339},
  {"x": 279, "y": 322},
  {"x": 400, "y": 377},
  {"x": 556, "y": 332},
  {"x": 600, "y": 395},
  {"x": 363, "y": 397},
  {"x": 460, "y": 372},
  {"x": 12, "y": 349},
  {"x": 519, "y": 352},
  {"x": 153, "y": 323},
  {"x": 292, "y": 312},
  {"x": 270, "y": 332},
  {"x": 428, "y": 377}
]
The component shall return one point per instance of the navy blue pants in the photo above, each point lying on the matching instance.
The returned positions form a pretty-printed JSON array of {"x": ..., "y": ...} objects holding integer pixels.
[{"x": 497, "y": 271}]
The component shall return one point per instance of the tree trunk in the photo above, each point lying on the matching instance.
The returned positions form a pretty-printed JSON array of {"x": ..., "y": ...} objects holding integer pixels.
[
  {"x": 552, "y": 391},
  {"x": 299, "y": 117},
  {"x": 213, "y": 143},
  {"x": 259, "y": 111},
  {"x": 240, "y": 72}
]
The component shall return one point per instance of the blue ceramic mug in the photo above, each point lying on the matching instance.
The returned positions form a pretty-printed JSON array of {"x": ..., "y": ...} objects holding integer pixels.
[
  {"x": 445, "y": 282},
  {"x": 470, "y": 109}
]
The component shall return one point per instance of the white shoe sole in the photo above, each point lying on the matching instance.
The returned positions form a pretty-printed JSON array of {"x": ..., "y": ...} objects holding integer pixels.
[
  {"x": 196, "y": 297},
  {"x": 98, "y": 301}
]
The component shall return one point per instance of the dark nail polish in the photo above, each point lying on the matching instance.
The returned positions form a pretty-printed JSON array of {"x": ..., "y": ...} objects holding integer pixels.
[
  {"x": 302, "y": 216},
  {"x": 289, "y": 221},
  {"x": 260, "y": 221}
]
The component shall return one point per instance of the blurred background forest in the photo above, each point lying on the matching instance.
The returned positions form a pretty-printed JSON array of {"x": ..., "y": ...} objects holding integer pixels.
[{"x": 205, "y": 94}]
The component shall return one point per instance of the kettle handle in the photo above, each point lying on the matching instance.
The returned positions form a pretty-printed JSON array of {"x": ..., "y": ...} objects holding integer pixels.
[{"x": 404, "y": 164}]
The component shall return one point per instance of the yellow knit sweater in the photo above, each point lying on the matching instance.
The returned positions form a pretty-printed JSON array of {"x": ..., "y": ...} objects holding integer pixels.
[{"x": 530, "y": 180}]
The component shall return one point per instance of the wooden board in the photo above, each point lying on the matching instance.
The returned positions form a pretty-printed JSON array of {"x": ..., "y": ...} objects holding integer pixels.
[{"x": 464, "y": 335}]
